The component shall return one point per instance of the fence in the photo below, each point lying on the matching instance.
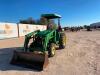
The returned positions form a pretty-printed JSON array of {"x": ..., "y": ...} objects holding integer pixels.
[{"x": 9, "y": 30}]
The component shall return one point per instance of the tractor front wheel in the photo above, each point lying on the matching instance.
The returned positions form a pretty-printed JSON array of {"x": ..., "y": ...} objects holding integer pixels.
[{"x": 52, "y": 50}]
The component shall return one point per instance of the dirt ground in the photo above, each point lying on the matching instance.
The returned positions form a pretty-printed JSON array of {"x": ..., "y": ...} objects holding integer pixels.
[{"x": 80, "y": 57}]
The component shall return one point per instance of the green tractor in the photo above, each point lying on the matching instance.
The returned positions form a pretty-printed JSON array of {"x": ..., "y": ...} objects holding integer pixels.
[{"x": 43, "y": 45}]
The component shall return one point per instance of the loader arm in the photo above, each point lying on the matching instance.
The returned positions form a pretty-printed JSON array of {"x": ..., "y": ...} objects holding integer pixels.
[
  {"x": 27, "y": 39},
  {"x": 50, "y": 35}
]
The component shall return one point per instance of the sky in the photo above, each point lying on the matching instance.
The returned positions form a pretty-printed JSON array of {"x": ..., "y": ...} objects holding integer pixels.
[{"x": 73, "y": 12}]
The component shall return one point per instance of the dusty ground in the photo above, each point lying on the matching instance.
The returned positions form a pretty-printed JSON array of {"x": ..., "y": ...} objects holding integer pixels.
[{"x": 80, "y": 57}]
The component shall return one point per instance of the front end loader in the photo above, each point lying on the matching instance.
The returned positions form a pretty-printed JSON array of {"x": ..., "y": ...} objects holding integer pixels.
[{"x": 43, "y": 45}]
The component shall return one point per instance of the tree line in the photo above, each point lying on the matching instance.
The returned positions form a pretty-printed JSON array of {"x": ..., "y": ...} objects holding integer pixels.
[{"x": 41, "y": 21}]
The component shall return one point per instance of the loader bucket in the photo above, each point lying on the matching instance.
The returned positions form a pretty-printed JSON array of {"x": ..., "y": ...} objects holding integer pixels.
[{"x": 31, "y": 60}]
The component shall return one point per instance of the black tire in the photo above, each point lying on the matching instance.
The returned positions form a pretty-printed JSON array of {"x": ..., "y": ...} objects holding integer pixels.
[
  {"x": 52, "y": 50},
  {"x": 62, "y": 41}
]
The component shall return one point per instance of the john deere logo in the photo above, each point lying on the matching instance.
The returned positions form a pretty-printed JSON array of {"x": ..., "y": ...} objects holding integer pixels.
[
  {"x": 7, "y": 29},
  {"x": 26, "y": 29}
]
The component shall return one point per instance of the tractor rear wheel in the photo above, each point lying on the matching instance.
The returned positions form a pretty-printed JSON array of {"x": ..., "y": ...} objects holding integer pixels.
[
  {"x": 52, "y": 50},
  {"x": 62, "y": 41}
]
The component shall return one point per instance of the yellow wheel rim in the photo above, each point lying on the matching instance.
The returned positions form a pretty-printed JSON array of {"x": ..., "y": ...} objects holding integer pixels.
[
  {"x": 53, "y": 50},
  {"x": 64, "y": 40}
]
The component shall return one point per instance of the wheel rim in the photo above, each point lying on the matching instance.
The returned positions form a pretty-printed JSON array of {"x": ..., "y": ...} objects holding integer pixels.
[
  {"x": 53, "y": 50},
  {"x": 64, "y": 41}
]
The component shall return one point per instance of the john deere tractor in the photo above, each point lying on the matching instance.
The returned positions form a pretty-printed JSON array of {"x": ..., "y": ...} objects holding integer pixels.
[{"x": 43, "y": 45}]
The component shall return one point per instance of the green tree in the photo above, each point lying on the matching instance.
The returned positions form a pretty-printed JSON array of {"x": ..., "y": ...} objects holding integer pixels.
[
  {"x": 43, "y": 21},
  {"x": 85, "y": 26},
  {"x": 30, "y": 20}
]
